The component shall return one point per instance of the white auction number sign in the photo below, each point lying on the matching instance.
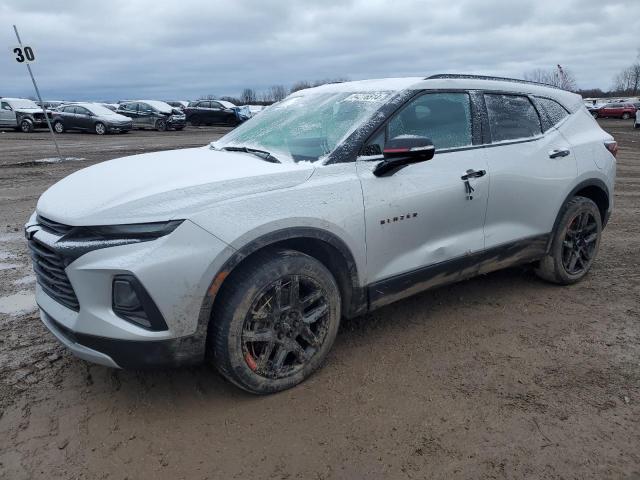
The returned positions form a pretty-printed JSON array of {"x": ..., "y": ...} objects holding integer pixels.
[{"x": 23, "y": 54}]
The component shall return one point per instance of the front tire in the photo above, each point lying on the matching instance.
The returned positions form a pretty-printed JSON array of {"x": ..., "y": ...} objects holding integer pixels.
[
  {"x": 58, "y": 127},
  {"x": 275, "y": 321},
  {"x": 161, "y": 125},
  {"x": 626, "y": 116},
  {"x": 26, "y": 126},
  {"x": 575, "y": 243},
  {"x": 100, "y": 128}
]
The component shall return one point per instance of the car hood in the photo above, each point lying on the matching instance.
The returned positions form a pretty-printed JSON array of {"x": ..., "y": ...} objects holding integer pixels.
[
  {"x": 115, "y": 117},
  {"x": 29, "y": 110},
  {"x": 162, "y": 186}
]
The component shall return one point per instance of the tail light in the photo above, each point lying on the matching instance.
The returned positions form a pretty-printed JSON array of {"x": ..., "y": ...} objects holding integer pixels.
[{"x": 612, "y": 146}]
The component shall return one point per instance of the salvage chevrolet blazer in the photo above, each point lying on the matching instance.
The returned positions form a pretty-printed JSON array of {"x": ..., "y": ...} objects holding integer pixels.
[{"x": 333, "y": 202}]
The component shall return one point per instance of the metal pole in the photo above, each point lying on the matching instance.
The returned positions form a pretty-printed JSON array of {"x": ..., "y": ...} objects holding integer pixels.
[{"x": 44, "y": 111}]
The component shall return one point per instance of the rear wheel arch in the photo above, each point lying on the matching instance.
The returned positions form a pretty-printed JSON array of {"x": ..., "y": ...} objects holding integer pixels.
[{"x": 594, "y": 189}]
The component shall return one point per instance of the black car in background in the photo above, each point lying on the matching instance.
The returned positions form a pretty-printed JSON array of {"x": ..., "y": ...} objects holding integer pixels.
[
  {"x": 153, "y": 114},
  {"x": 211, "y": 112},
  {"x": 90, "y": 117}
]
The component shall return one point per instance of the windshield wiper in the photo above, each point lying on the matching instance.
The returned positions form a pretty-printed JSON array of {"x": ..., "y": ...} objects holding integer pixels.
[{"x": 263, "y": 154}]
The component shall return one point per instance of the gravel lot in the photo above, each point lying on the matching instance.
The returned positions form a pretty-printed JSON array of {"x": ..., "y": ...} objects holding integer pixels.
[{"x": 503, "y": 376}]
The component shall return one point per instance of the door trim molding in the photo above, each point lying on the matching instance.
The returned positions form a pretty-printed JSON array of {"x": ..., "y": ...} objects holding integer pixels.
[{"x": 406, "y": 284}]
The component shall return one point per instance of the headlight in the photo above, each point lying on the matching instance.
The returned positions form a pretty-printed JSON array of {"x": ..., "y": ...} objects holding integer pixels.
[{"x": 134, "y": 231}]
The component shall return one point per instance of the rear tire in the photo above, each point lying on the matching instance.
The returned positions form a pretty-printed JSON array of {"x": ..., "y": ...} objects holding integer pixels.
[
  {"x": 100, "y": 128},
  {"x": 275, "y": 321},
  {"x": 626, "y": 116},
  {"x": 574, "y": 244}
]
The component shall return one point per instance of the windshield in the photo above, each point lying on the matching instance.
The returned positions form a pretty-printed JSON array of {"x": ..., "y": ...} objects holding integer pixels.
[
  {"x": 100, "y": 110},
  {"x": 23, "y": 103},
  {"x": 306, "y": 127},
  {"x": 225, "y": 104}
]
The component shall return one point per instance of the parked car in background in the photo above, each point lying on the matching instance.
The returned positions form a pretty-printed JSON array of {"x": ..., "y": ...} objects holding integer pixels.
[
  {"x": 617, "y": 110},
  {"x": 51, "y": 104},
  {"x": 90, "y": 117},
  {"x": 215, "y": 112},
  {"x": 181, "y": 104},
  {"x": 22, "y": 114},
  {"x": 636, "y": 122},
  {"x": 153, "y": 114},
  {"x": 111, "y": 106},
  {"x": 333, "y": 202}
]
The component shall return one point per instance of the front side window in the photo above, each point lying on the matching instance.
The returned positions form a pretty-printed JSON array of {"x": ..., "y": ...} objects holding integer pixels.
[
  {"x": 306, "y": 127},
  {"x": 5, "y": 106},
  {"x": 511, "y": 117},
  {"x": 444, "y": 118}
]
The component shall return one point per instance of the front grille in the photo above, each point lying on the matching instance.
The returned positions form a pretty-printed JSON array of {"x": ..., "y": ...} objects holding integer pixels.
[
  {"x": 53, "y": 227},
  {"x": 49, "y": 269}
]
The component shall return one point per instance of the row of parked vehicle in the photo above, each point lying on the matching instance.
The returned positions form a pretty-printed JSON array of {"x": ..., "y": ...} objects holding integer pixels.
[{"x": 101, "y": 118}]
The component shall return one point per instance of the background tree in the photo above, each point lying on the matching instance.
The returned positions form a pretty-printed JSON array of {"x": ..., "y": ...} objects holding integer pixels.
[
  {"x": 248, "y": 96},
  {"x": 558, "y": 77}
]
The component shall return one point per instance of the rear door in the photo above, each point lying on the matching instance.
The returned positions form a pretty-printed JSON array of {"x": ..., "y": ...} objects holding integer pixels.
[
  {"x": 423, "y": 215},
  {"x": 7, "y": 115},
  {"x": 531, "y": 166}
]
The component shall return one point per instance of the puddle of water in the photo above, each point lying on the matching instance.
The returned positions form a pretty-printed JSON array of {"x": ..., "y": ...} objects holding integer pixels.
[
  {"x": 58, "y": 160},
  {"x": 8, "y": 266},
  {"x": 18, "y": 303}
]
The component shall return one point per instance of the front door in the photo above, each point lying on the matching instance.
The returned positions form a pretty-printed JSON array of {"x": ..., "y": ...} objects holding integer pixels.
[{"x": 424, "y": 218}]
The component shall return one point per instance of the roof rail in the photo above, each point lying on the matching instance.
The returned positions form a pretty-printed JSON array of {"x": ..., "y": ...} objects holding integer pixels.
[{"x": 463, "y": 76}]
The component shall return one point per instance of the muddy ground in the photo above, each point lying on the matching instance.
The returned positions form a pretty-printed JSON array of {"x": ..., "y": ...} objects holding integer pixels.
[{"x": 503, "y": 376}]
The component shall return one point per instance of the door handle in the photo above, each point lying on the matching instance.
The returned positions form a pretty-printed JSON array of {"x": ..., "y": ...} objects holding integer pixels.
[
  {"x": 473, "y": 174},
  {"x": 559, "y": 152}
]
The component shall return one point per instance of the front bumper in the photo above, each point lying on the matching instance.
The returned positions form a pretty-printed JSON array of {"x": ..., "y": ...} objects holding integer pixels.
[
  {"x": 120, "y": 127},
  {"x": 177, "y": 122},
  {"x": 128, "y": 354},
  {"x": 176, "y": 270}
]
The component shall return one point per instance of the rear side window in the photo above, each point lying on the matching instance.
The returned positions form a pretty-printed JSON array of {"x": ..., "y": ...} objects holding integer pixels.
[
  {"x": 445, "y": 118},
  {"x": 554, "y": 111},
  {"x": 511, "y": 117}
]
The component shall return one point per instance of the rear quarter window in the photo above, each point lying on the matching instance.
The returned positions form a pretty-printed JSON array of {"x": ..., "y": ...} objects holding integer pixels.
[
  {"x": 511, "y": 117},
  {"x": 554, "y": 112}
]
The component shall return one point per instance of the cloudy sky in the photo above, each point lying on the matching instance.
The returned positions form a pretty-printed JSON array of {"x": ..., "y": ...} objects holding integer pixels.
[{"x": 116, "y": 49}]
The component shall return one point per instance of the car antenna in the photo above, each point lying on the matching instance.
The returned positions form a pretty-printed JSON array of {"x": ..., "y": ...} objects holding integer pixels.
[{"x": 28, "y": 57}]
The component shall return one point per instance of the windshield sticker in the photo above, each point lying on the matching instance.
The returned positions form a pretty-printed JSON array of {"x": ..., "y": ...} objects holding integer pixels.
[{"x": 366, "y": 97}]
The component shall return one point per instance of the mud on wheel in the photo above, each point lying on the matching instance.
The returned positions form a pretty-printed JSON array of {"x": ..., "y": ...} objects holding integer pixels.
[
  {"x": 274, "y": 322},
  {"x": 575, "y": 243}
]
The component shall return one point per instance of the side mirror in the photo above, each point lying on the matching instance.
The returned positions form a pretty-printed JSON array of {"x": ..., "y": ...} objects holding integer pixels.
[{"x": 402, "y": 151}]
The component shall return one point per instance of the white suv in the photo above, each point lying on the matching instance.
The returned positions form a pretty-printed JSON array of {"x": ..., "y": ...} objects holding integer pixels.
[{"x": 335, "y": 201}]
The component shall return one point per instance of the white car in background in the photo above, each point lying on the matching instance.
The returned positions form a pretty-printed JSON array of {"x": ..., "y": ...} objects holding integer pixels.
[
  {"x": 22, "y": 114},
  {"x": 636, "y": 123},
  {"x": 333, "y": 202}
]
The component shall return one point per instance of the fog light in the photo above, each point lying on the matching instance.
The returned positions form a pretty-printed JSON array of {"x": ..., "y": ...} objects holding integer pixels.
[
  {"x": 131, "y": 302},
  {"x": 124, "y": 296}
]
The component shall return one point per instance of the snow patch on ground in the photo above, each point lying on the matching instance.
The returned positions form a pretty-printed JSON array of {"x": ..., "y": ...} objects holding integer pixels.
[
  {"x": 8, "y": 266},
  {"x": 58, "y": 160},
  {"x": 18, "y": 303},
  {"x": 10, "y": 237},
  {"x": 28, "y": 280}
]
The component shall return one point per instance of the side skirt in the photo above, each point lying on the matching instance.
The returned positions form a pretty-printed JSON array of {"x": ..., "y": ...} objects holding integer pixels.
[{"x": 404, "y": 285}]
